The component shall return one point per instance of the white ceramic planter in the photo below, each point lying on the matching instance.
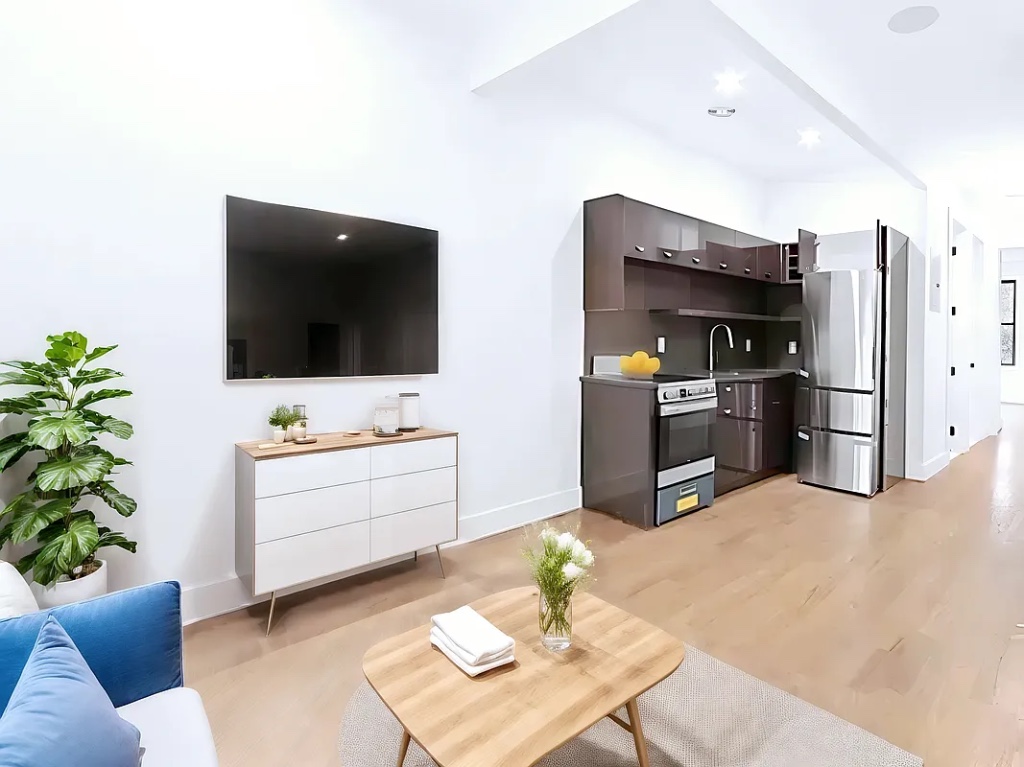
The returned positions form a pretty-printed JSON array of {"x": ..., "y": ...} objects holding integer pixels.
[
  {"x": 279, "y": 435},
  {"x": 67, "y": 591},
  {"x": 298, "y": 432}
]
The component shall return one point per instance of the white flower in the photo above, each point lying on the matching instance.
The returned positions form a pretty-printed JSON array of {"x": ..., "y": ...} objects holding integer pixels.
[
  {"x": 587, "y": 558},
  {"x": 565, "y": 541},
  {"x": 578, "y": 547},
  {"x": 548, "y": 534},
  {"x": 572, "y": 571}
]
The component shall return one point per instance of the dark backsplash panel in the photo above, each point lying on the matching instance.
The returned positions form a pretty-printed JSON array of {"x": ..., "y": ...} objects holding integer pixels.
[{"x": 686, "y": 340}]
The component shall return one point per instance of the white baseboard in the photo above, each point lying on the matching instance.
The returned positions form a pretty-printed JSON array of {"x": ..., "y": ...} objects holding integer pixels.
[
  {"x": 518, "y": 514},
  {"x": 925, "y": 471},
  {"x": 230, "y": 594}
]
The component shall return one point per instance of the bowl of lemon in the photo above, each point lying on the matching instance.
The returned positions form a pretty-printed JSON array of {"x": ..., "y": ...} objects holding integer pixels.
[{"x": 639, "y": 365}]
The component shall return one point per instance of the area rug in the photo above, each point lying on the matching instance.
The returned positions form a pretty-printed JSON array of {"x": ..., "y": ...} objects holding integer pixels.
[{"x": 706, "y": 714}]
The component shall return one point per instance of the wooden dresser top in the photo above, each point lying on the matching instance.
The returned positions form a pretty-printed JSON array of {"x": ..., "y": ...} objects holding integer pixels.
[{"x": 337, "y": 440}]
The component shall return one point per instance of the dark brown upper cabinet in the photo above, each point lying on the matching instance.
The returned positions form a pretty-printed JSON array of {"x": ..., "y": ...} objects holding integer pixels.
[
  {"x": 769, "y": 263},
  {"x": 807, "y": 257},
  {"x": 649, "y": 230}
]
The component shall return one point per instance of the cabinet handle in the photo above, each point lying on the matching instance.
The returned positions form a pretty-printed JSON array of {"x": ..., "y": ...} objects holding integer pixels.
[
  {"x": 696, "y": 260},
  {"x": 667, "y": 254},
  {"x": 767, "y": 275},
  {"x": 639, "y": 248},
  {"x": 746, "y": 271},
  {"x": 723, "y": 265},
  {"x": 728, "y": 388},
  {"x": 727, "y": 411}
]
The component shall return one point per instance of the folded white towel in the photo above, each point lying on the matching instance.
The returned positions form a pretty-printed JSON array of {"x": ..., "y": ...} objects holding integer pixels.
[
  {"x": 478, "y": 640},
  {"x": 438, "y": 640}
]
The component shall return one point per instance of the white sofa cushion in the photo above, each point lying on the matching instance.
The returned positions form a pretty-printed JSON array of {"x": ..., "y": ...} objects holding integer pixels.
[
  {"x": 174, "y": 727},
  {"x": 15, "y": 595}
]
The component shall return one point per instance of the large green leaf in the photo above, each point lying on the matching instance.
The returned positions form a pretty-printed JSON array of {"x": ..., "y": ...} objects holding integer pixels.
[
  {"x": 67, "y": 349},
  {"x": 98, "y": 352},
  {"x": 61, "y": 473},
  {"x": 108, "y": 538},
  {"x": 24, "y": 378},
  {"x": 102, "y": 394},
  {"x": 90, "y": 377},
  {"x": 28, "y": 403},
  {"x": 116, "y": 500},
  {"x": 19, "y": 503},
  {"x": 105, "y": 423},
  {"x": 29, "y": 522},
  {"x": 76, "y": 544},
  {"x": 13, "y": 447},
  {"x": 52, "y": 431}
]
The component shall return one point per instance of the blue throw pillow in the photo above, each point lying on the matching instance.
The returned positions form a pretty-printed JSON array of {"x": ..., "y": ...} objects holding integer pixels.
[{"x": 59, "y": 715}]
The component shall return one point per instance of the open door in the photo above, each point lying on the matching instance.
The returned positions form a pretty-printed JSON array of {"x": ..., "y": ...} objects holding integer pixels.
[{"x": 807, "y": 251}]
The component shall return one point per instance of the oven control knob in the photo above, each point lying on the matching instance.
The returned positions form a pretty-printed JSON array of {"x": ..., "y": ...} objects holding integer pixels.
[
  {"x": 682, "y": 393},
  {"x": 669, "y": 394}
]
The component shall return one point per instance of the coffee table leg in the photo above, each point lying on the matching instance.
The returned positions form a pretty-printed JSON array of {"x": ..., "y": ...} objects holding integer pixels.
[
  {"x": 638, "y": 733},
  {"x": 403, "y": 748}
]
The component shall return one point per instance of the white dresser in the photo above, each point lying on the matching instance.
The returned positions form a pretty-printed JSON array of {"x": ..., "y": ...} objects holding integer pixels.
[{"x": 306, "y": 512}]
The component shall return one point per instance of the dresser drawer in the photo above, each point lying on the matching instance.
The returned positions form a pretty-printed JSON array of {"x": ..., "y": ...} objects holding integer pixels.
[
  {"x": 282, "y": 516},
  {"x": 309, "y": 472},
  {"x": 409, "y": 457},
  {"x": 301, "y": 558},
  {"x": 404, "y": 492},
  {"x": 411, "y": 530}
]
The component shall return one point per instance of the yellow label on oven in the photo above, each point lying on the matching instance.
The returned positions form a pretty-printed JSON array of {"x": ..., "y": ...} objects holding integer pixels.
[{"x": 682, "y": 504}]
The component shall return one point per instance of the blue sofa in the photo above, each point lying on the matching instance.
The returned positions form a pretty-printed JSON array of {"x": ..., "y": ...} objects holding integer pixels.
[{"x": 132, "y": 642}]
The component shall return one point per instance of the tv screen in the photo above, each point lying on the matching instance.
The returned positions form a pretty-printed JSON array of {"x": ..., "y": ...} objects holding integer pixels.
[{"x": 312, "y": 294}]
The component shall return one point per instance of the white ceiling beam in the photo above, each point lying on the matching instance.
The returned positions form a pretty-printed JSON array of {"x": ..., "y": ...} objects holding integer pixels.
[{"x": 536, "y": 26}]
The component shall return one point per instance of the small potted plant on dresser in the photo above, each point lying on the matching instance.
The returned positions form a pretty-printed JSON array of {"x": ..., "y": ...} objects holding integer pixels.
[
  {"x": 56, "y": 511},
  {"x": 281, "y": 418}
]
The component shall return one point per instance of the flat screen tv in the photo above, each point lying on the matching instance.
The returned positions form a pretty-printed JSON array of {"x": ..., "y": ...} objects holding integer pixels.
[{"x": 312, "y": 294}]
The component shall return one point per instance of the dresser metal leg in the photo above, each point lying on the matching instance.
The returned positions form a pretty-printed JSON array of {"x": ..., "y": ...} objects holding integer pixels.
[
  {"x": 270, "y": 617},
  {"x": 440, "y": 561}
]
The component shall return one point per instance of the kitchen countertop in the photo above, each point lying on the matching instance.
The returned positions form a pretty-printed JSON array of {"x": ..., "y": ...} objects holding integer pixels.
[{"x": 719, "y": 375}]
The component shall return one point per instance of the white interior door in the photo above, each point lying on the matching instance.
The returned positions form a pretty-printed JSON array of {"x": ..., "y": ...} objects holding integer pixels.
[{"x": 961, "y": 328}]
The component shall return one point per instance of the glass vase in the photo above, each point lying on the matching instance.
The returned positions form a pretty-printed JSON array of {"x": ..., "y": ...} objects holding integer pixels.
[{"x": 555, "y": 618}]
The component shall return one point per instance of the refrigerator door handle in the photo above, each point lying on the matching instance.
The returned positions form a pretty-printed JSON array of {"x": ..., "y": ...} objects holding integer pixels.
[
  {"x": 803, "y": 435},
  {"x": 803, "y": 373}
]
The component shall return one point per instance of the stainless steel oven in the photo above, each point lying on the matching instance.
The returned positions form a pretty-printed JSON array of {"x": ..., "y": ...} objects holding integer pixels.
[{"x": 686, "y": 451}]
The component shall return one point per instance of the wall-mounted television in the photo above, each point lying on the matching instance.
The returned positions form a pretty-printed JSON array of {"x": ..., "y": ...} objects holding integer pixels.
[{"x": 312, "y": 294}]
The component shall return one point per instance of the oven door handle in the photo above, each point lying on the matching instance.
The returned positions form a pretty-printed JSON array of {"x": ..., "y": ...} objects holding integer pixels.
[{"x": 696, "y": 406}]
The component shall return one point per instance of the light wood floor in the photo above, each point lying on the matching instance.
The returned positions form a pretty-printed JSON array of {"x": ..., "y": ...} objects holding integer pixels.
[{"x": 898, "y": 614}]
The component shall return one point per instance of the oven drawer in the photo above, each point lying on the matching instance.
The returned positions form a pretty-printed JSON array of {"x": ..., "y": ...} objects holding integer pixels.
[
  {"x": 679, "y": 500},
  {"x": 740, "y": 400}
]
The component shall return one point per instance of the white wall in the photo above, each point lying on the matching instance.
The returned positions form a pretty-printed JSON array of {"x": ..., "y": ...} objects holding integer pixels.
[
  {"x": 1013, "y": 375},
  {"x": 126, "y": 123}
]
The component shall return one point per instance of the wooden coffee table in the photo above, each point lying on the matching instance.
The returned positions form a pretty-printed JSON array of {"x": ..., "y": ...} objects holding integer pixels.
[{"x": 514, "y": 715}]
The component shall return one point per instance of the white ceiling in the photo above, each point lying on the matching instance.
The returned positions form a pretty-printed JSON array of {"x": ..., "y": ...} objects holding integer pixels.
[
  {"x": 943, "y": 105},
  {"x": 948, "y": 101},
  {"x": 653, "y": 64}
]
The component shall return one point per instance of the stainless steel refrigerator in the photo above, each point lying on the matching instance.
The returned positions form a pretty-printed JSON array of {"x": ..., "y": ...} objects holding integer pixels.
[{"x": 851, "y": 399}]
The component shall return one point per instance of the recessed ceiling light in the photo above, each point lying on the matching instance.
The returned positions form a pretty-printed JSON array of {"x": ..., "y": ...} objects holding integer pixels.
[
  {"x": 342, "y": 236},
  {"x": 809, "y": 137},
  {"x": 721, "y": 111},
  {"x": 915, "y": 19},
  {"x": 729, "y": 82}
]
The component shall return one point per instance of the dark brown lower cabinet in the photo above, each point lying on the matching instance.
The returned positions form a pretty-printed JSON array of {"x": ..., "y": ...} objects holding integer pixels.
[{"x": 751, "y": 448}]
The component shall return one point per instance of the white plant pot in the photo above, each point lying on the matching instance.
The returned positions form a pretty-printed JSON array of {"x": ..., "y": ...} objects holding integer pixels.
[
  {"x": 279, "y": 435},
  {"x": 288, "y": 436},
  {"x": 298, "y": 432},
  {"x": 64, "y": 592}
]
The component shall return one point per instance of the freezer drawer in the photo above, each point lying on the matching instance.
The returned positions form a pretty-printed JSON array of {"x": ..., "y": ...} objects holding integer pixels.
[
  {"x": 740, "y": 400},
  {"x": 839, "y": 461},
  {"x": 678, "y": 500},
  {"x": 851, "y": 411}
]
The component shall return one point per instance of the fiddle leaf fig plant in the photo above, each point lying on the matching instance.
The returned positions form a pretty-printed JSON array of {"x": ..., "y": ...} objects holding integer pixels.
[{"x": 63, "y": 429}]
